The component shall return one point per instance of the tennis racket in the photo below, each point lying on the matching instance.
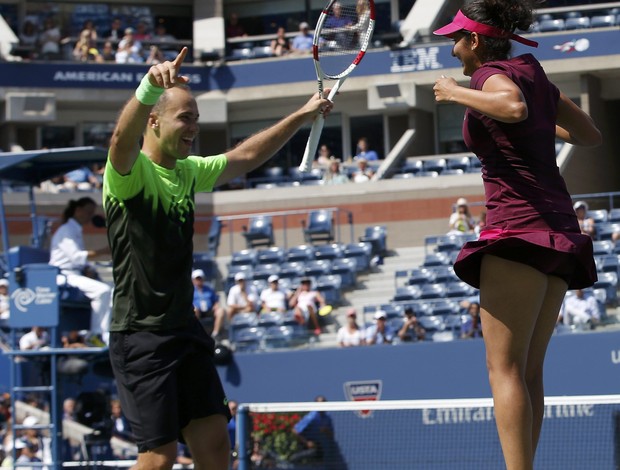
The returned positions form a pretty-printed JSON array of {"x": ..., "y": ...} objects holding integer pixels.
[{"x": 341, "y": 37}]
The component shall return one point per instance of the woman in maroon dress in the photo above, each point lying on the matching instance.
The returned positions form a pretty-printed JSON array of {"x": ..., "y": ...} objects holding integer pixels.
[{"x": 531, "y": 249}]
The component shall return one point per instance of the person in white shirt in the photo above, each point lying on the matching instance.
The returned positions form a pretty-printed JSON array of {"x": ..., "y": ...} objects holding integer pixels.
[
  {"x": 242, "y": 297},
  {"x": 67, "y": 252},
  {"x": 36, "y": 338},
  {"x": 380, "y": 332},
  {"x": 580, "y": 309},
  {"x": 4, "y": 299},
  {"x": 304, "y": 300},
  {"x": 273, "y": 299},
  {"x": 350, "y": 334}
]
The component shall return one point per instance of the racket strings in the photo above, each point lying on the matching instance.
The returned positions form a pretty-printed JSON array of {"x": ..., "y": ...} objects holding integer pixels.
[{"x": 342, "y": 37}]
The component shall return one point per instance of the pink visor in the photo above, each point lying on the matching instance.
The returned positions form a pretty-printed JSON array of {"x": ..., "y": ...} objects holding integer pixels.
[{"x": 460, "y": 22}]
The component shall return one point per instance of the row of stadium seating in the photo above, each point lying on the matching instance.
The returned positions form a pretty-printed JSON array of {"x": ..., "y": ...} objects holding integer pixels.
[{"x": 575, "y": 20}]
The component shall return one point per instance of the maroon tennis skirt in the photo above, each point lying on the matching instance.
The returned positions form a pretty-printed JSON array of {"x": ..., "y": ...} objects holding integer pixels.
[{"x": 567, "y": 255}]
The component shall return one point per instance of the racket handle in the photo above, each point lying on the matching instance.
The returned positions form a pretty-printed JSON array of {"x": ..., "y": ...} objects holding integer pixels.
[{"x": 312, "y": 144}]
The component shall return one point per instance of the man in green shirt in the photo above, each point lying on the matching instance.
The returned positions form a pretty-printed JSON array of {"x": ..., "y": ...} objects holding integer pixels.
[{"x": 161, "y": 356}]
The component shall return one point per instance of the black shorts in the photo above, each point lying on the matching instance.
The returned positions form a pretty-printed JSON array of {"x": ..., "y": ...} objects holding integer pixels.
[{"x": 165, "y": 379}]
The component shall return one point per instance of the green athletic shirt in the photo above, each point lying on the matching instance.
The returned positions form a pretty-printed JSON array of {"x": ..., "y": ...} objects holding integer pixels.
[{"x": 150, "y": 222}]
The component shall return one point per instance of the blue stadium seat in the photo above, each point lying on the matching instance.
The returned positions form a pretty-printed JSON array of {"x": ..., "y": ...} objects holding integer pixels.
[
  {"x": 459, "y": 289},
  {"x": 361, "y": 252},
  {"x": 205, "y": 262},
  {"x": 249, "y": 339},
  {"x": 474, "y": 164},
  {"x": 432, "y": 291},
  {"x": 317, "y": 267},
  {"x": 604, "y": 231},
  {"x": 443, "y": 274},
  {"x": 319, "y": 227},
  {"x": 329, "y": 287},
  {"x": 458, "y": 163},
  {"x": 241, "y": 321},
  {"x": 259, "y": 232},
  {"x": 420, "y": 276},
  {"x": 328, "y": 252},
  {"x": 598, "y": 215},
  {"x": 243, "y": 258},
  {"x": 432, "y": 323},
  {"x": 411, "y": 167},
  {"x": 582, "y": 22},
  {"x": 291, "y": 269},
  {"x": 434, "y": 165},
  {"x": 402, "y": 176},
  {"x": 609, "y": 282},
  {"x": 377, "y": 237},
  {"x": 428, "y": 174},
  {"x": 284, "y": 336},
  {"x": 263, "y": 271},
  {"x": 268, "y": 319},
  {"x": 436, "y": 259},
  {"x": 300, "y": 253},
  {"x": 407, "y": 293},
  {"x": 546, "y": 26},
  {"x": 273, "y": 254},
  {"x": 453, "y": 172},
  {"x": 602, "y": 21},
  {"x": 614, "y": 215},
  {"x": 603, "y": 247},
  {"x": 346, "y": 269}
]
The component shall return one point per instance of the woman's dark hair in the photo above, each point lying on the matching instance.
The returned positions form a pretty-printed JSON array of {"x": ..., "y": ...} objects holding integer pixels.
[
  {"x": 72, "y": 205},
  {"x": 508, "y": 15}
]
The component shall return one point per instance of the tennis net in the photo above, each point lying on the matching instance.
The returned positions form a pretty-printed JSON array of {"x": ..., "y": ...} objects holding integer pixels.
[{"x": 579, "y": 432}]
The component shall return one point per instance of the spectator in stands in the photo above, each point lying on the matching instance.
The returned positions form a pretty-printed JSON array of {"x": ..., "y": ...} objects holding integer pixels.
[
  {"x": 207, "y": 302},
  {"x": 274, "y": 298},
  {"x": 350, "y": 334},
  {"x": 161, "y": 35},
  {"x": 36, "y": 338},
  {"x": 580, "y": 309},
  {"x": 67, "y": 252},
  {"x": 280, "y": 45},
  {"x": 363, "y": 151},
  {"x": 49, "y": 40},
  {"x": 411, "y": 329},
  {"x": 141, "y": 33},
  {"x": 156, "y": 56},
  {"x": 37, "y": 445},
  {"x": 82, "y": 179},
  {"x": 531, "y": 250},
  {"x": 115, "y": 33},
  {"x": 85, "y": 49},
  {"x": 4, "y": 299},
  {"x": 28, "y": 38},
  {"x": 324, "y": 155},
  {"x": 379, "y": 332},
  {"x": 242, "y": 297},
  {"x": 461, "y": 220},
  {"x": 333, "y": 174},
  {"x": 121, "y": 428},
  {"x": 149, "y": 163},
  {"x": 306, "y": 302},
  {"x": 89, "y": 26},
  {"x": 26, "y": 452},
  {"x": 234, "y": 28},
  {"x": 108, "y": 53},
  {"x": 363, "y": 173},
  {"x": 472, "y": 327},
  {"x": 129, "y": 50},
  {"x": 68, "y": 409},
  {"x": 73, "y": 339},
  {"x": 586, "y": 224},
  {"x": 336, "y": 20},
  {"x": 302, "y": 43}
]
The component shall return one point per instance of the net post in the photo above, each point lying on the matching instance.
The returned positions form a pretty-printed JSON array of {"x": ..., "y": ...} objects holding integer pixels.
[{"x": 243, "y": 431}]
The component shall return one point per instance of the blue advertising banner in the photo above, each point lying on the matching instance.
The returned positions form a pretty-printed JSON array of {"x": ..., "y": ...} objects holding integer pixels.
[{"x": 432, "y": 56}]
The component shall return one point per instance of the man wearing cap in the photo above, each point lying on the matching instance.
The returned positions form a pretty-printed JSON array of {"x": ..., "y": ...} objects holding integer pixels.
[
  {"x": 586, "y": 224},
  {"x": 461, "y": 220},
  {"x": 242, "y": 297},
  {"x": 273, "y": 298},
  {"x": 207, "y": 302},
  {"x": 380, "y": 332},
  {"x": 302, "y": 43}
]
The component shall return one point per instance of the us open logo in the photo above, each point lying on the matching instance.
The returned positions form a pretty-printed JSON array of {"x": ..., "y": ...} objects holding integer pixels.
[{"x": 364, "y": 390}]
